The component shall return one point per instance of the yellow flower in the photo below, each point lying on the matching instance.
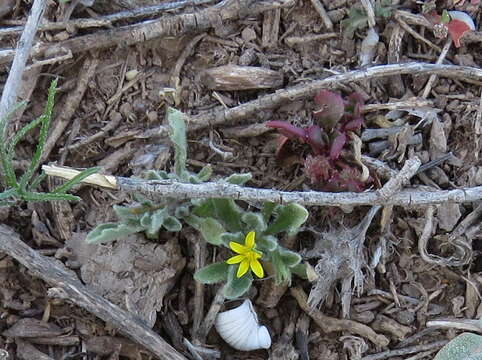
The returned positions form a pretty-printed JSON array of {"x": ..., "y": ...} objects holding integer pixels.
[{"x": 248, "y": 256}]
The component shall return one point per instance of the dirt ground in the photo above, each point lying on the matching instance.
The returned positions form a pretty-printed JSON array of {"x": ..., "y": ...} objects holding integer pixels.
[{"x": 419, "y": 263}]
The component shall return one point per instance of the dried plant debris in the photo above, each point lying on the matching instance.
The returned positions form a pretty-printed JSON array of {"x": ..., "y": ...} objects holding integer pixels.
[
  {"x": 340, "y": 258},
  {"x": 135, "y": 273}
]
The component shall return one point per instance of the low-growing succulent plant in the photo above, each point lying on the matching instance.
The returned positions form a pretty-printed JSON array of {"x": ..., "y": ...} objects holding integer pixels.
[
  {"x": 466, "y": 346},
  {"x": 145, "y": 215},
  {"x": 336, "y": 118},
  {"x": 253, "y": 238},
  {"x": 251, "y": 235}
]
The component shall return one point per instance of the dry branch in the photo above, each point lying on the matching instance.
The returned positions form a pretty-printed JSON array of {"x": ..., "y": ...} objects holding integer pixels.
[
  {"x": 255, "y": 110},
  {"x": 73, "y": 290},
  {"x": 161, "y": 189},
  {"x": 9, "y": 94},
  {"x": 175, "y": 26},
  {"x": 108, "y": 19}
]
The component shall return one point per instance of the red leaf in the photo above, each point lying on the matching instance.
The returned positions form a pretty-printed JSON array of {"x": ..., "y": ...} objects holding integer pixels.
[
  {"x": 354, "y": 124},
  {"x": 314, "y": 138},
  {"x": 433, "y": 17},
  {"x": 318, "y": 169},
  {"x": 331, "y": 108},
  {"x": 457, "y": 29},
  {"x": 287, "y": 129},
  {"x": 337, "y": 146}
]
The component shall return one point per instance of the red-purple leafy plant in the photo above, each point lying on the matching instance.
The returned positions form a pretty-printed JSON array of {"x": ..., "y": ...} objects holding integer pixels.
[{"x": 335, "y": 118}]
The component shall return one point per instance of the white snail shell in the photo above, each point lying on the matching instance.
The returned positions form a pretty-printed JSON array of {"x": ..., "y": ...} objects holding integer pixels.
[
  {"x": 239, "y": 327},
  {"x": 460, "y": 15}
]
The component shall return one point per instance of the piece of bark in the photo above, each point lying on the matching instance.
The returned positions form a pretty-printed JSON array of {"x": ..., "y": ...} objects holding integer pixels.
[
  {"x": 235, "y": 77},
  {"x": 105, "y": 345},
  {"x": 29, "y": 327},
  {"x": 448, "y": 216},
  {"x": 57, "y": 340},
  {"x": 385, "y": 324},
  {"x": 27, "y": 351},
  {"x": 395, "y": 84},
  {"x": 6, "y": 6}
]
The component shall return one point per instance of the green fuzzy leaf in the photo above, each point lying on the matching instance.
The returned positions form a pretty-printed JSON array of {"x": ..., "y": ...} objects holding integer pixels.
[
  {"x": 178, "y": 137},
  {"x": 156, "y": 175},
  {"x": 157, "y": 220},
  {"x": 254, "y": 221},
  {"x": 238, "y": 237},
  {"x": 142, "y": 200},
  {"x": 128, "y": 212},
  {"x": 267, "y": 211},
  {"x": 111, "y": 231},
  {"x": 182, "y": 211},
  {"x": 290, "y": 258},
  {"x": 282, "y": 272},
  {"x": 239, "y": 179},
  {"x": 229, "y": 213},
  {"x": 193, "y": 179},
  {"x": 300, "y": 270},
  {"x": 213, "y": 273},
  {"x": 235, "y": 287},
  {"x": 288, "y": 218},
  {"x": 172, "y": 224},
  {"x": 211, "y": 230},
  {"x": 266, "y": 243},
  {"x": 466, "y": 346},
  {"x": 205, "y": 173},
  {"x": 203, "y": 207}
]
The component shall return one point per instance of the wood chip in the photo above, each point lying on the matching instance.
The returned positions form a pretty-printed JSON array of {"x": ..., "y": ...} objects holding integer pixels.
[{"x": 235, "y": 77}]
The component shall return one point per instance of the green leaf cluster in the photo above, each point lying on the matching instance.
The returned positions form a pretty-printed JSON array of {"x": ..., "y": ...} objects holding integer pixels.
[
  {"x": 23, "y": 188},
  {"x": 358, "y": 19},
  {"x": 145, "y": 215},
  {"x": 221, "y": 221}
]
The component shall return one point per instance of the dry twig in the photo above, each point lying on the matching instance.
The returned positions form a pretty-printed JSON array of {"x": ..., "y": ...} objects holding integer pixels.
[
  {"x": 330, "y": 324},
  {"x": 175, "y": 25},
  {"x": 160, "y": 189},
  {"x": 9, "y": 94},
  {"x": 255, "y": 110}
]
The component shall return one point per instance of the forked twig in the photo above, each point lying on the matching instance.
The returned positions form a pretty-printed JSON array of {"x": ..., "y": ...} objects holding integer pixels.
[{"x": 161, "y": 189}]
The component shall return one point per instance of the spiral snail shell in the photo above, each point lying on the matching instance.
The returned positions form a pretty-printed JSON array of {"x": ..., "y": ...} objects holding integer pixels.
[{"x": 239, "y": 327}]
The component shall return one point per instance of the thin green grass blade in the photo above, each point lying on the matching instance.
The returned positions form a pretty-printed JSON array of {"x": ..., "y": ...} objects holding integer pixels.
[
  {"x": 47, "y": 117},
  {"x": 8, "y": 193},
  {"x": 8, "y": 174},
  {"x": 19, "y": 136},
  {"x": 75, "y": 180},
  {"x": 36, "y": 182},
  {"x": 35, "y": 196}
]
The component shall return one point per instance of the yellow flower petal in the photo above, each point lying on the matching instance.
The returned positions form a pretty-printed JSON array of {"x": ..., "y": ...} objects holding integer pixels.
[
  {"x": 238, "y": 248},
  {"x": 235, "y": 259},
  {"x": 255, "y": 265},
  {"x": 243, "y": 268},
  {"x": 249, "y": 241}
]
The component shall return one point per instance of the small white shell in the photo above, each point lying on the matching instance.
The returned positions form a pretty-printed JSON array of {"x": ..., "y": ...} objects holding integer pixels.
[
  {"x": 239, "y": 327},
  {"x": 460, "y": 15}
]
